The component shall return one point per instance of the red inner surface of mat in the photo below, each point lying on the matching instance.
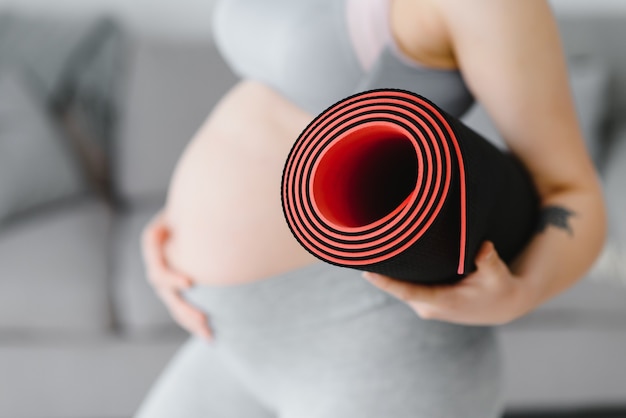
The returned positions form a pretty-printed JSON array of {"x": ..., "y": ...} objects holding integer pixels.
[
  {"x": 365, "y": 176},
  {"x": 344, "y": 197}
]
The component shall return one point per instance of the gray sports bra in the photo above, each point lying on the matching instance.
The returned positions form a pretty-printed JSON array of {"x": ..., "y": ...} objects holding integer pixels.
[{"x": 307, "y": 51}]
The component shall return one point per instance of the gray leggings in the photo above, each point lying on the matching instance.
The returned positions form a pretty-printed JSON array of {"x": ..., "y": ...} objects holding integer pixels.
[{"x": 321, "y": 342}]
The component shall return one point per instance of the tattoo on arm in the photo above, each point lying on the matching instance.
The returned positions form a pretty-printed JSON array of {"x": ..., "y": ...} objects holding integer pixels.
[{"x": 557, "y": 216}]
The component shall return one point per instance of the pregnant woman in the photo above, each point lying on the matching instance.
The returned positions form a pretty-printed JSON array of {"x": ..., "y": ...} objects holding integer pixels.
[{"x": 279, "y": 334}]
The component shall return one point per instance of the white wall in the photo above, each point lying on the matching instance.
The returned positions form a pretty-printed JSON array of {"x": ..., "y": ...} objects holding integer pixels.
[
  {"x": 190, "y": 18},
  {"x": 180, "y": 18}
]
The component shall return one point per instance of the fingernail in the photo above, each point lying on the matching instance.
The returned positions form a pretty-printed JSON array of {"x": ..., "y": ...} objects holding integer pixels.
[
  {"x": 490, "y": 251},
  {"x": 369, "y": 276}
]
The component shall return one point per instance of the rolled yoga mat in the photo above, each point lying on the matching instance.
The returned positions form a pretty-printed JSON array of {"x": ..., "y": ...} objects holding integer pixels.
[{"x": 386, "y": 181}]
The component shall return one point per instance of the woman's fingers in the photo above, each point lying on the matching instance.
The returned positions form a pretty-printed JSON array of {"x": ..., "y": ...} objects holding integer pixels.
[
  {"x": 488, "y": 261},
  {"x": 167, "y": 282},
  {"x": 189, "y": 317},
  {"x": 161, "y": 276},
  {"x": 158, "y": 271},
  {"x": 488, "y": 296}
]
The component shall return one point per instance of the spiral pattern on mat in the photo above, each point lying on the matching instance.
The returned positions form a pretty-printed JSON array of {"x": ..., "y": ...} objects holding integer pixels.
[{"x": 338, "y": 182}]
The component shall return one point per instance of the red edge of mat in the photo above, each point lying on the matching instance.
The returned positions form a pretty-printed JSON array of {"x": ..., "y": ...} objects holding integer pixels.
[{"x": 402, "y": 94}]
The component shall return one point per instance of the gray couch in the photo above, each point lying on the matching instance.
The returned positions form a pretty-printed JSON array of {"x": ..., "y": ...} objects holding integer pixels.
[{"x": 82, "y": 334}]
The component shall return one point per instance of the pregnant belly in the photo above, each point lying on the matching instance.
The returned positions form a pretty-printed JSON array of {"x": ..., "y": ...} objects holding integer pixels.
[{"x": 223, "y": 205}]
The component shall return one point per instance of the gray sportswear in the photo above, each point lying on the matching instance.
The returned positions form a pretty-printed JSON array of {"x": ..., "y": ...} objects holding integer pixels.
[{"x": 321, "y": 342}]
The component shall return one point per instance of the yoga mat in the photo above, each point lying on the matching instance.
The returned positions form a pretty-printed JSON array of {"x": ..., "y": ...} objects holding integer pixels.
[{"x": 386, "y": 181}]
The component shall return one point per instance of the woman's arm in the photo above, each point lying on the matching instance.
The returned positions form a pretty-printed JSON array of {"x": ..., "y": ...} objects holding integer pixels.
[{"x": 510, "y": 54}]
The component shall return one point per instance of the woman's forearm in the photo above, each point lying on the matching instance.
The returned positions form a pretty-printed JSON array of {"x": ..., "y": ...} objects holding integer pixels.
[
  {"x": 569, "y": 237},
  {"x": 570, "y": 234}
]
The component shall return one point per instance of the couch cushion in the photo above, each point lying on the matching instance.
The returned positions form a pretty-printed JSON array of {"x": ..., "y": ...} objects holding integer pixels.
[
  {"x": 172, "y": 88},
  {"x": 37, "y": 166},
  {"x": 557, "y": 368},
  {"x": 612, "y": 264},
  {"x": 590, "y": 81},
  {"x": 54, "y": 271},
  {"x": 588, "y": 304},
  {"x": 600, "y": 37},
  {"x": 89, "y": 378},
  {"x": 139, "y": 310},
  {"x": 615, "y": 186}
]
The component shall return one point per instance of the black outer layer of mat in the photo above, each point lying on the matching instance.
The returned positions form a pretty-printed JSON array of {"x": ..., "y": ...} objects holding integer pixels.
[{"x": 501, "y": 201}]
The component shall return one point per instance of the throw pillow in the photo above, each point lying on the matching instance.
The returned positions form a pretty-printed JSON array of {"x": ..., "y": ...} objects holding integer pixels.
[{"x": 36, "y": 163}]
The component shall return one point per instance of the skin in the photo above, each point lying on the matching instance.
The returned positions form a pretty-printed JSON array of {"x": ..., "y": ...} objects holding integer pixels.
[
  {"x": 511, "y": 58},
  {"x": 524, "y": 88},
  {"x": 238, "y": 155}
]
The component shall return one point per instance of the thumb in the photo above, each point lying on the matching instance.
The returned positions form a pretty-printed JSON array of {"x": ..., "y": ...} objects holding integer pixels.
[{"x": 488, "y": 258}]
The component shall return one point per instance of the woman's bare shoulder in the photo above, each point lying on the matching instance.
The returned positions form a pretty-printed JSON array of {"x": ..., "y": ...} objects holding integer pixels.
[{"x": 511, "y": 57}]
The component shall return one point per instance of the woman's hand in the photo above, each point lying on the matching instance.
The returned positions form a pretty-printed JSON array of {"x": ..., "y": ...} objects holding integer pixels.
[
  {"x": 491, "y": 295},
  {"x": 168, "y": 283}
]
